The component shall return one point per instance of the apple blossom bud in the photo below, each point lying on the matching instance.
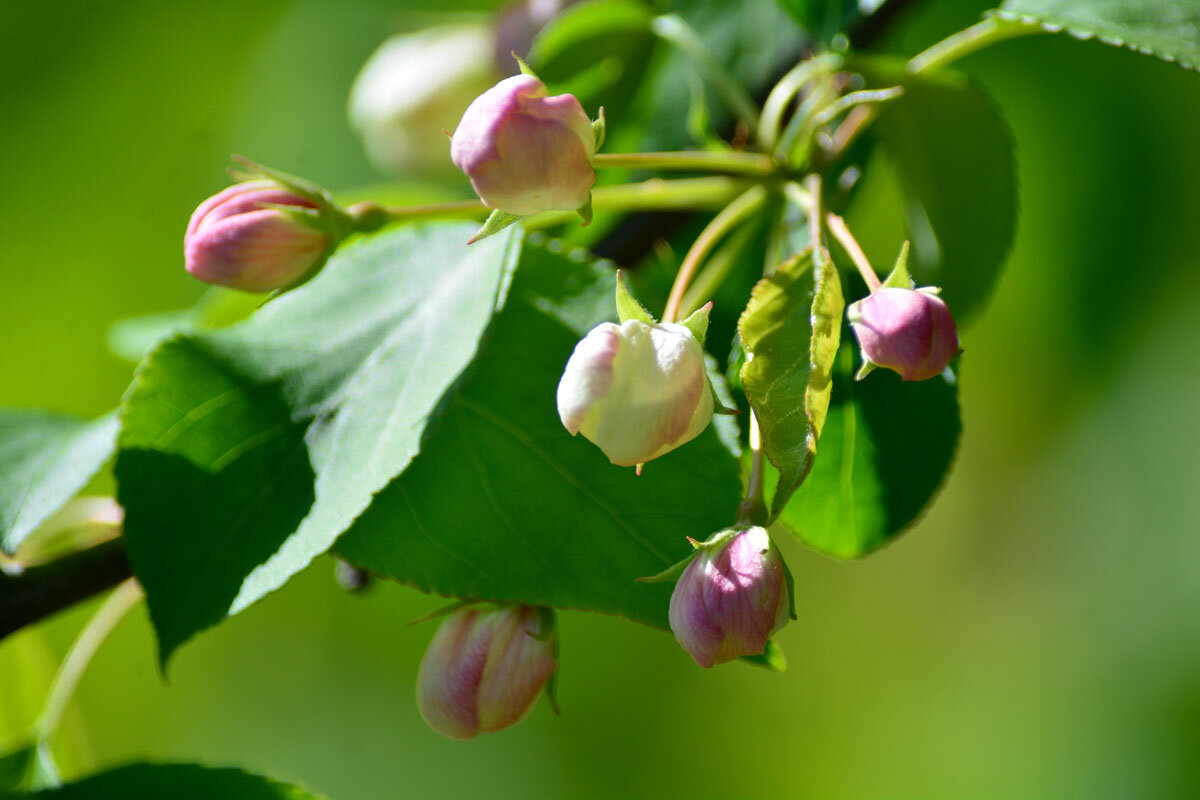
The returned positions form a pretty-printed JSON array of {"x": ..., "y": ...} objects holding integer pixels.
[
  {"x": 910, "y": 331},
  {"x": 731, "y": 598},
  {"x": 484, "y": 669},
  {"x": 256, "y": 236},
  {"x": 525, "y": 151},
  {"x": 636, "y": 391},
  {"x": 415, "y": 86}
]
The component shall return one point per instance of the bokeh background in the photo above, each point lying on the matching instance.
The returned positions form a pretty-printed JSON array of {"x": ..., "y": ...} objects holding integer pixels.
[{"x": 1036, "y": 635}]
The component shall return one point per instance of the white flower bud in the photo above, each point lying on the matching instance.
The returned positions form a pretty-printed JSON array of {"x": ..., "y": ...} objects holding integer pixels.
[{"x": 636, "y": 391}]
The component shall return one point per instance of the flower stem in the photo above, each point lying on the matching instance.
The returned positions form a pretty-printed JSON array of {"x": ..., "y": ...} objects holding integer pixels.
[
  {"x": 679, "y": 194},
  {"x": 123, "y": 598},
  {"x": 753, "y": 508},
  {"x": 698, "y": 160},
  {"x": 746, "y": 204},
  {"x": 963, "y": 43},
  {"x": 837, "y": 226}
]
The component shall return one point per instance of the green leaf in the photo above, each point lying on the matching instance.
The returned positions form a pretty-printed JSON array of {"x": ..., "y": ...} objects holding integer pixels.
[
  {"x": 885, "y": 452},
  {"x": 953, "y": 152},
  {"x": 1169, "y": 29},
  {"x": 47, "y": 459},
  {"x": 597, "y": 51},
  {"x": 15, "y": 767},
  {"x": 246, "y": 451},
  {"x": 177, "y": 782},
  {"x": 790, "y": 331},
  {"x": 504, "y": 505}
]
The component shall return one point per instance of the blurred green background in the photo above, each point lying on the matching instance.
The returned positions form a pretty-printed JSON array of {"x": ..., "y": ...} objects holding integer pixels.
[{"x": 1036, "y": 635}]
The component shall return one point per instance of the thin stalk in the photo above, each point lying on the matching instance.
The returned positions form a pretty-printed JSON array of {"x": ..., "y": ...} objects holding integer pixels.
[
  {"x": 753, "y": 508},
  {"x": 694, "y": 160},
  {"x": 655, "y": 194},
  {"x": 678, "y": 33},
  {"x": 715, "y": 271},
  {"x": 812, "y": 187},
  {"x": 733, "y": 214},
  {"x": 680, "y": 194},
  {"x": 787, "y": 88},
  {"x": 837, "y": 226},
  {"x": 963, "y": 43},
  {"x": 955, "y": 46},
  {"x": 123, "y": 598}
]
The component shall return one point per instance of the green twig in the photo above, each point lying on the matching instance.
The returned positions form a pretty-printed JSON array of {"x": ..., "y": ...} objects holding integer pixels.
[{"x": 694, "y": 160}]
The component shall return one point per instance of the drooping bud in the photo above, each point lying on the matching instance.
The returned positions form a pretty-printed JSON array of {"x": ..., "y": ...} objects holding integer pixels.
[
  {"x": 258, "y": 236},
  {"x": 910, "y": 331},
  {"x": 485, "y": 668},
  {"x": 731, "y": 598},
  {"x": 636, "y": 390},
  {"x": 415, "y": 86},
  {"x": 525, "y": 151}
]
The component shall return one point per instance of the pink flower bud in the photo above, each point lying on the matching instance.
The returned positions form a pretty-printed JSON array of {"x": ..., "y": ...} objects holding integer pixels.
[
  {"x": 910, "y": 331},
  {"x": 238, "y": 239},
  {"x": 484, "y": 669},
  {"x": 636, "y": 391},
  {"x": 524, "y": 151},
  {"x": 730, "y": 599}
]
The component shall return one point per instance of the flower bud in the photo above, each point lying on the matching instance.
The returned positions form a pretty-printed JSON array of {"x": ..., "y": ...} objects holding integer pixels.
[
  {"x": 484, "y": 669},
  {"x": 415, "y": 86},
  {"x": 256, "y": 236},
  {"x": 524, "y": 151},
  {"x": 636, "y": 391},
  {"x": 731, "y": 598},
  {"x": 910, "y": 331}
]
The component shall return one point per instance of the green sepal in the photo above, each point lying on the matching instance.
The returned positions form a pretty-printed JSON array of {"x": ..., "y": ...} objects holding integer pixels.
[
  {"x": 444, "y": 611},
  {"x": 672, "y": 573},
  {"x": 497, "y": 221},
  {"x": 585, "y": 211},
  {"x": 627, "y": 305},
  {"x": 866, "y": 369},
  {"x": 789, "y": 581},
  {"x": 719, "y": 406},
  {"x": 525, "y": 68},
  {"x": 599, "y": 128},
  {"x": 547, "y": 630},
  {"x": 771, "y": 658},
  {"x": 899, "y": 278},
  {"x": 697, "y": 322},
  {"x": 250, "y": 170}
]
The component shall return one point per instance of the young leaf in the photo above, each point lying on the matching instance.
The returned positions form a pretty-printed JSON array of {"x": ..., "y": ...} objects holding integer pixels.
[
  {"x": 47, "y": 458},
  {"x": 953, "y": 152},
  {"x": 1169, "y": 29},
  {"x": 886, "y": 449},
  {"x": 502, "y": 504},
  {"x": 790, "y": 331},
  {"x": 255, "y": 446},
  {"x": 176, "y": 781}
]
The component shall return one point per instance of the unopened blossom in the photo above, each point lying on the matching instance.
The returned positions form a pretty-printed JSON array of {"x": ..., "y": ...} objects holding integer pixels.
[
  {"x": 730, "y": 599},
  {"x": 484, "y": 670},
  {"x": 635, "y": 390},
  {"x": 256, "y": 236},
  {"x": 417, "y": 85},
  {"x": 525, "y": 151},
  {"x": 910, "y": 331}
]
